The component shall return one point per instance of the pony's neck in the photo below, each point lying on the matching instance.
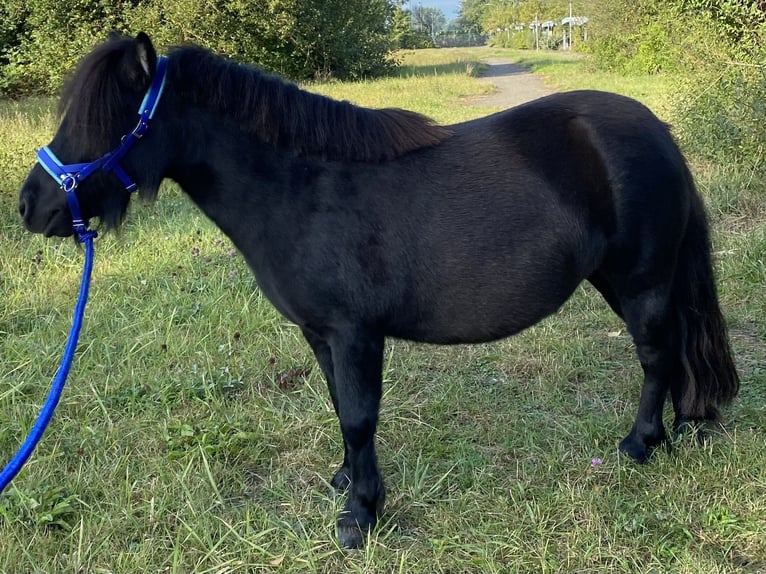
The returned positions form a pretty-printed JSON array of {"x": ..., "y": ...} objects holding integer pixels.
[
  {"x": 231, "y": 176},
  {"x": 294, "y": 120}
]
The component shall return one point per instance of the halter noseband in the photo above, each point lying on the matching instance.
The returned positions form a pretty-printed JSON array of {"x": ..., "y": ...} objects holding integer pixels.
[{"x": 70, "y": 175}]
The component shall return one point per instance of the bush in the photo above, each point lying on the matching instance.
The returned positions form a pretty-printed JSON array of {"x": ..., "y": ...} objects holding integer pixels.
[
  {"x": 718, "y": 50},
  {"x": 721, "y": 107},
  {"x": 346, "y": 39},
  {"x": 725, "y": 121},
  {"x": 519, "y": 40},
  {"x": 654, "y": 52}
]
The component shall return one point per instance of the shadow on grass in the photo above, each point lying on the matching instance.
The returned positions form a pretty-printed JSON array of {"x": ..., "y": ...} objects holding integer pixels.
[{"x": 503, "y": 70}]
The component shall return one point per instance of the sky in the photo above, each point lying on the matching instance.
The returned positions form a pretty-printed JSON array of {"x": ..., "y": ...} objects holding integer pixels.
[{"x": 449, "y": 7}]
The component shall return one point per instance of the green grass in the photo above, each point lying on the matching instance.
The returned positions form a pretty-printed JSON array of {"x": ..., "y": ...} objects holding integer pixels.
[
  {"x": 195, "y": 433},
  {"x": 437, "y": 83}
]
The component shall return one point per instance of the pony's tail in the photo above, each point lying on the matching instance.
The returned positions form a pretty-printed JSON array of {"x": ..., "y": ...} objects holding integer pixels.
[{"x": 710, "y": 379}]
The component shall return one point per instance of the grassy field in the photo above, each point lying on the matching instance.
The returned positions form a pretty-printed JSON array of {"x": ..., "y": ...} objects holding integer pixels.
[{"x": 196, "y": 435}]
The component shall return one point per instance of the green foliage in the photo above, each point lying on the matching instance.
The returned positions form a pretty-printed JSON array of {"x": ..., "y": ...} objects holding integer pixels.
[
  {"x": 739, "y": 22},
  {"x": 501, "y": 14},
  {"x": 507, "y": 22},
  {"x": 721, "y": 105},
  {"x": 13, "y": 15},
  {"x": 55, "y": 35},
  {"x": 724, "y": 122},
  {"x": 519, "y": 40},
  {"x": 650, "y": 36},
  {"x": 716, "y": 47},
  {"x": 404, "y": 35},
  {"x": 653, "y": 51},
  {"x": 42, "y": 507},
  {"x": 634, "y": 37},
  {"x": 346, "y": 39},
  {"x": 470, "y": 16}
]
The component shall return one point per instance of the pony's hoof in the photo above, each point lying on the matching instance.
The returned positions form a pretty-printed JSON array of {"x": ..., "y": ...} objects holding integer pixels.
[
  {"x": 357, "y": 521},
  {"x": 640, "y": 450},
  {"x": 634, "y": 449},
  {"x": 693, "y": 428},
  {"x": 350, "y": 534},
  {"x": 341, "y": 481}
]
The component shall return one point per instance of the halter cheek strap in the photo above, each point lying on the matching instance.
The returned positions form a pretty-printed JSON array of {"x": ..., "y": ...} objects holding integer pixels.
[{"x": 69, "y": 176}]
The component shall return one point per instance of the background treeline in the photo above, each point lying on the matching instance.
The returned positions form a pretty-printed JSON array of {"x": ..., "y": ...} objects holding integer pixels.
[
  {"x": 715, "y": 48},
  {"x": 40, "y": 40}
]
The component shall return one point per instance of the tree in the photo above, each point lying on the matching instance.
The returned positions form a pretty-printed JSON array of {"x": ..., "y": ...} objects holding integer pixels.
[
  {"x": 495, "y": 15},
  {"x": 427, "y": 20},
  {"x": 471, "y": 15},
  {"x": 404, "y": 35},
  {"x": 41, "y": 40}
]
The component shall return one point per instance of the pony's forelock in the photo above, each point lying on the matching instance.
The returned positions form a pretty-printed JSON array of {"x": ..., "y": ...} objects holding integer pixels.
[{"x": 92, "y": 100}]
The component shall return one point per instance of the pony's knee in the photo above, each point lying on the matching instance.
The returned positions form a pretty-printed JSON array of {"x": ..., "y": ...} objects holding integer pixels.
[{"x": 358, "y": 429}]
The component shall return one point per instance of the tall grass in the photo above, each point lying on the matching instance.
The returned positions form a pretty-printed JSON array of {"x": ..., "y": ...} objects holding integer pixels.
[{"x": 195, "y": 433}]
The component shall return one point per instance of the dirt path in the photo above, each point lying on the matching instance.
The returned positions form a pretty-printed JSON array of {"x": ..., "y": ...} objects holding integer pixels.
[{"x": 515, "y": 85}]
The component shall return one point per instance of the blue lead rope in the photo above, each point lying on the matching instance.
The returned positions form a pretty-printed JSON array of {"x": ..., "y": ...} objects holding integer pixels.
[
  {"x": 69, "y": 177},
  {"x": 57, "y": 386}
]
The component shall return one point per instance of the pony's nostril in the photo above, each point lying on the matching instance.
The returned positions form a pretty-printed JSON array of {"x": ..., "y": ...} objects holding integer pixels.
[{"x": 22, "y": 207}]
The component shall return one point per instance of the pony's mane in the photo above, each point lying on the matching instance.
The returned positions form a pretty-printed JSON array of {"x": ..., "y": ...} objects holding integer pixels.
[
  {"x": 280, "y": 113},
  {"x": 276, "y": 111}
]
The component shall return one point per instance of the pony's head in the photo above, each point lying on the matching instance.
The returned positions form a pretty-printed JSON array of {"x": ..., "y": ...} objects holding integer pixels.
[{"x": 98, "y": 107}]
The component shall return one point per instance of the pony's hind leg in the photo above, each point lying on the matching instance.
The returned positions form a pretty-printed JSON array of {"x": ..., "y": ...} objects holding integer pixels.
[
  {"x": 650, "y": 319},
  {"x": 341, "y": 479}
]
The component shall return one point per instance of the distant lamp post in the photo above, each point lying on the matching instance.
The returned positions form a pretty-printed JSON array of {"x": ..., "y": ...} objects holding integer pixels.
[{"x": 536, "y": 27}]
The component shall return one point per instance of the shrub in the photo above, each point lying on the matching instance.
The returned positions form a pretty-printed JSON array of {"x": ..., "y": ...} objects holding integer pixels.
[
  {"x": 346, "y": 39},
  {"x": 718, "y": 50}
]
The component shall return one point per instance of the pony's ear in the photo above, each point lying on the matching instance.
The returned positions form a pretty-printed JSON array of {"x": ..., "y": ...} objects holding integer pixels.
[
  {"x": 113, "y": 36},
  {"x": 147, "y": 56}
]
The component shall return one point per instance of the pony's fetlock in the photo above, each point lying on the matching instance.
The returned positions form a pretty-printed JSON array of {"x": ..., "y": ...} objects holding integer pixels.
[
  {"x": 342, "y": 479},
  {"x": 355, "y": 523},
  {"x": 691, "y": 428}
]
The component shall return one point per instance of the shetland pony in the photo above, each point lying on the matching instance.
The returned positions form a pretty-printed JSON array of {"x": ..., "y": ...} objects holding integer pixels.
[{"x": 362, "y": 224}]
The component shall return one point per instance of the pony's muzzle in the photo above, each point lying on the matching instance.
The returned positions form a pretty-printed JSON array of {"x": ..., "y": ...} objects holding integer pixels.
[{"x": 43, "y": 209}]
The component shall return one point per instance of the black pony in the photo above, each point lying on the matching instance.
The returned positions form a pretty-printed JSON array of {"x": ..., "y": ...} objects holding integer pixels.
[{"x": 362, "y": 224}]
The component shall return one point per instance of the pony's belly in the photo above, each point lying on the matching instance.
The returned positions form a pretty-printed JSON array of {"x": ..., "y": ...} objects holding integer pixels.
[{"x": 477, "y": 320}]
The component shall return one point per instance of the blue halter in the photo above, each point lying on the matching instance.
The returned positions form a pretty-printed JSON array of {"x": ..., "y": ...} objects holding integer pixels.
[{"x": 69, "y": 176}]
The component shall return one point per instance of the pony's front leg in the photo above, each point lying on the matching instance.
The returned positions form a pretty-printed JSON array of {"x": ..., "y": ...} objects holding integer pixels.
[
  {"x": 342, "y": 478},
  {"x": 357, "y": 359}
]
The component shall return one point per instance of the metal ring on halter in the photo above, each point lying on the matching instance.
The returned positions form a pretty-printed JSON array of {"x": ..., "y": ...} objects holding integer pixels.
[{"x": 69, "y": 183}]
